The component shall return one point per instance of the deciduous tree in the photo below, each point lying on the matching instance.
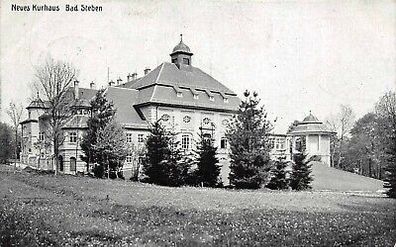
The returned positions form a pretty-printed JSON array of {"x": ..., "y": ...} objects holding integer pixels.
[
  {"x": 53, "y": 79},
  {"x": 386, "y": 111},
  {"x": 111, "y": 146},
  {"x": 6, "y": 142},
  {"x": 15, "y": 113}
]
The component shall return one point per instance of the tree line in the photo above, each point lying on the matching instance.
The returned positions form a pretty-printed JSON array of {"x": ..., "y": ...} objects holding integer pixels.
[{"x": 367, "y": 146}]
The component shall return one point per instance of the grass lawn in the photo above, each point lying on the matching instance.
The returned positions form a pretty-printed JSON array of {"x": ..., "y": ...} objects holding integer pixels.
[
  {"x": 329, "y": 178},
  {"x": 65, "y": 210}
]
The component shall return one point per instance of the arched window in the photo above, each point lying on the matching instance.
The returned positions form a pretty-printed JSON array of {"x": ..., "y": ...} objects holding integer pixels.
[{"x": 72, "y": 164}]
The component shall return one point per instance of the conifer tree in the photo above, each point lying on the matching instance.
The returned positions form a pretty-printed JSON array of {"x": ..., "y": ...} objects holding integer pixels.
[
  {"x": 249, "y": 143},
  {"x": 279, "y": 180},
  {"x": 208, "y": 169},
  {"x": 300, "y": 178},
  {"x": 163, "y": 163},
  {"x": 157, "y": 148},
  {"x": 102, "y": 113}
]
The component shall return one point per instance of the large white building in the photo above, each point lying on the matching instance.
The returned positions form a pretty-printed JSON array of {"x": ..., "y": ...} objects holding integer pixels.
[{"x": 183, "y": 96}]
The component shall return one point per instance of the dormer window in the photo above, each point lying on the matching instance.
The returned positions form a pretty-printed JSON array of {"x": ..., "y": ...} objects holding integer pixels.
[{"x": 186, "y": 61}]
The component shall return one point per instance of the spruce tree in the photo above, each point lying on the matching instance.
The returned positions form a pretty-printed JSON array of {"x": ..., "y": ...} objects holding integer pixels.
[
  {"x": 208, "y": 169},
  {"x": 248, "y": 137},
  {"x": 278, "y": 180},
  {"x": 300, "y": 178},
  {"x": 157, "y": 148},
  {"x": 164, "y": 162},
  {"x": 102, "y": 113}
]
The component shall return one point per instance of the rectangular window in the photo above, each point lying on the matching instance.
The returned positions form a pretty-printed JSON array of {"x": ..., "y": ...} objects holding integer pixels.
[
  {"x": 277, "y": 144},
  {"x": 223, "y": 142},
  {"x": 140, "y": 138},
  {"x": 186, "y": 61},
  {"x": 41, "y": 136},
  {"x": 73, "y": 137},
  {"x": 129, "y": 159},
  {"x": 185, "y": 142},
  {"x": 129, "y": 137},
  {"x": 272, "y": 143},
  {"x": 282, "y": 144}
]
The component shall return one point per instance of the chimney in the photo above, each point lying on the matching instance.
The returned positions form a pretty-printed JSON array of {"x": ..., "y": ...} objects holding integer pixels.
[
  {"x": 111, "y": 83},
  {"x": 119, "y": 80},
  {"x": 92, "y": 85},
  {"x": 146, "y": 71},
  {"x": 134, "y": 76},
  {"x": 76, "y": 89},
  {"x": 129, "y": 77}
]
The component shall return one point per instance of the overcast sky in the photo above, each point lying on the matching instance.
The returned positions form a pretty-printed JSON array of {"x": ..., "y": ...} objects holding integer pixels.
[{"x": 298, "y": 55}]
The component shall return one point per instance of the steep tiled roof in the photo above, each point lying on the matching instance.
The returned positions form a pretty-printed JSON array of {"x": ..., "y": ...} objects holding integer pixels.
[
  {"x": 170, "y": 75},
  {"x": 37, "y": 103},
  {"x": 124, "y": 100}
]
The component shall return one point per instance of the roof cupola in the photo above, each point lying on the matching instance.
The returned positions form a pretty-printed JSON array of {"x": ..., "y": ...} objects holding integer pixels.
[{"x": 181, "y": 54}]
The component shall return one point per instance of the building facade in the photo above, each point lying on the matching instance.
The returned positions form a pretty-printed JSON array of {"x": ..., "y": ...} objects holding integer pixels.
[{"x": 182, "y": 96}]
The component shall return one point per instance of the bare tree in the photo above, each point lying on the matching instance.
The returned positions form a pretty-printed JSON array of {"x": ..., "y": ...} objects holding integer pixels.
[
  {"x": 15, "y": 113},
  {"x": 53, "y": 79},
  {"x": 341, "y": 123}
]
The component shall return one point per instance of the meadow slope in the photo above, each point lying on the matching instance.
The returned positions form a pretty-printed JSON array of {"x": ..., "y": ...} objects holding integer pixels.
[{"x": 65, "y": 210}]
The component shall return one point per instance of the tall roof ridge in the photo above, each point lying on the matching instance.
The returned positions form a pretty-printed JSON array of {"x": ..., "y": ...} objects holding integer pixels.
[{"x": 159, "y": 73}]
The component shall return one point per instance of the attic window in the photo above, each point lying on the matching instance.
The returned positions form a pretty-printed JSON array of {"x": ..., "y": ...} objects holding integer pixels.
[
  {"x": 179, "y": 94},
  {"x": 225, "y": 98},
  {"x": 211, "y": 98},
  {"x": 194, "y": 93}
]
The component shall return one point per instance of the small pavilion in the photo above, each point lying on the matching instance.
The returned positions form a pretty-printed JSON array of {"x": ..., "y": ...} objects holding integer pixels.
[{"x": 317, "y": 138}]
